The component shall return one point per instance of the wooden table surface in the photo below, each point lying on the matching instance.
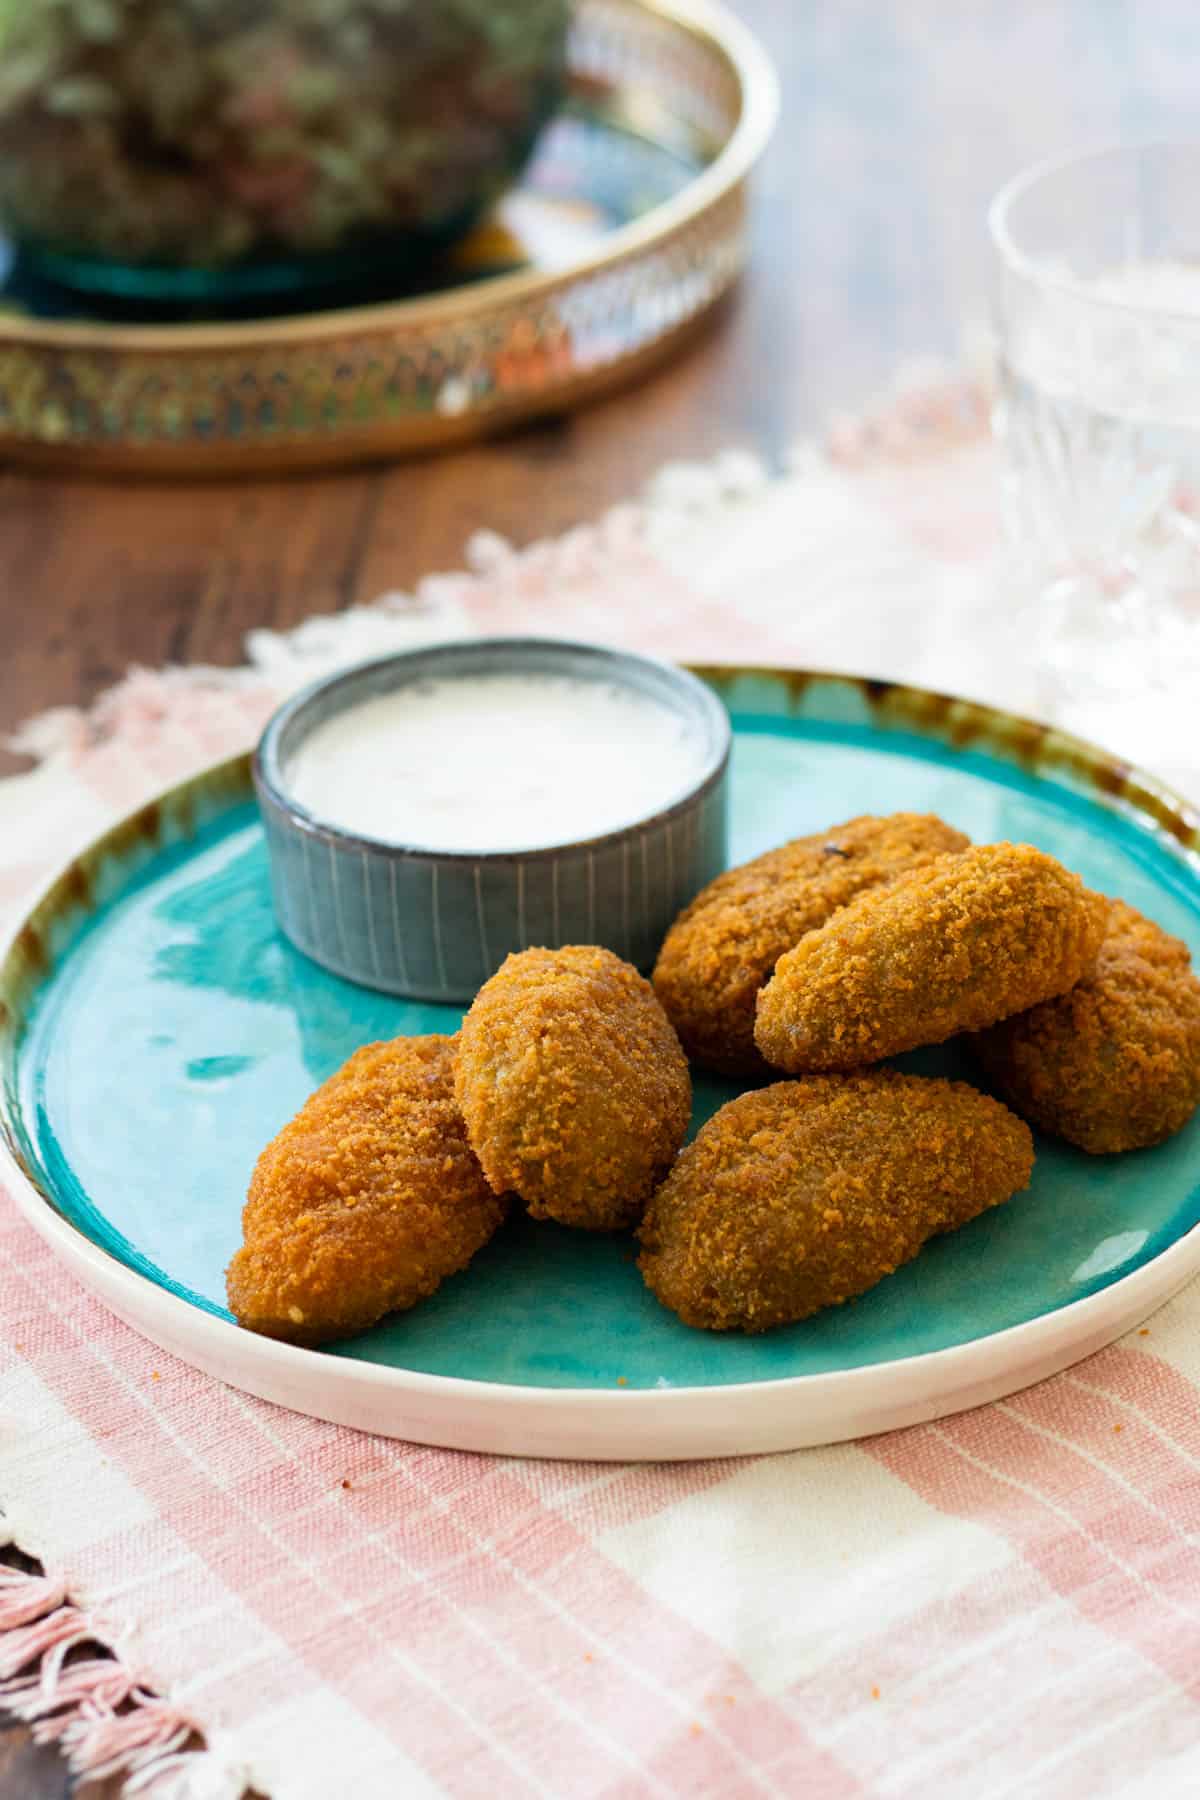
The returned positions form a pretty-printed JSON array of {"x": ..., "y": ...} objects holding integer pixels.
[{"x": 900, "y": 118}]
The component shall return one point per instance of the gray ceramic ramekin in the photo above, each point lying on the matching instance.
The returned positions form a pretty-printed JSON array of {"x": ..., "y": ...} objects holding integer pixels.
[{"x": 434, "y": 924}]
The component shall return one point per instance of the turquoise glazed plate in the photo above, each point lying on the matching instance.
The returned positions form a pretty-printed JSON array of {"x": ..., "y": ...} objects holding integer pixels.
[{"x": 156, "y": 1030}]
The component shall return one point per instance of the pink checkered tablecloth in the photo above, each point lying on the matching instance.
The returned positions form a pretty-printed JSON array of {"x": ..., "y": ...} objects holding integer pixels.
[{"x": 1004, "y": 1604}]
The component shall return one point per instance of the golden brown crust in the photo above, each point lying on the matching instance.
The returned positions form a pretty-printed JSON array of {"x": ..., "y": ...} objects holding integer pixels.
[
  {"x": 365, "y": 1202},
  {"x": 802, "y": 1195},
  {"x": 573, "y": 1085},
  {"x": 1114, "y": 1064},
  {"x": 977, "y": 936},
  {"x": 723, "y": 947}
]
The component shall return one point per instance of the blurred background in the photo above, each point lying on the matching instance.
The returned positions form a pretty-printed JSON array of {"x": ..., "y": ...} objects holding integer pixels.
[{"x": 900, "y": 118}]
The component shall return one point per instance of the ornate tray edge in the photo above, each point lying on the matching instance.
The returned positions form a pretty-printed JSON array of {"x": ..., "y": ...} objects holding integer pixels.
[{"x": 74, "y": 396}]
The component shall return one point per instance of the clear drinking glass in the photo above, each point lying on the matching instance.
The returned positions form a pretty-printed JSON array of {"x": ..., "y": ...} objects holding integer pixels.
[{"x": 1099, "y": 409}]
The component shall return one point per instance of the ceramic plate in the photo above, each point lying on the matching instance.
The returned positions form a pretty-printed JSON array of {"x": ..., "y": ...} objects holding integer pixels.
[{"x": 156, "y": 1030}]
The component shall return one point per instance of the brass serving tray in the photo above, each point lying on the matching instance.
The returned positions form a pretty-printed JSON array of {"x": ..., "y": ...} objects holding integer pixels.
[{"x": 627, "y": 228}]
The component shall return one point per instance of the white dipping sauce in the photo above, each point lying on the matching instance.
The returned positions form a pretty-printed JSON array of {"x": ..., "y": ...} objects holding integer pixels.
[{"x": 495, "y": 762}]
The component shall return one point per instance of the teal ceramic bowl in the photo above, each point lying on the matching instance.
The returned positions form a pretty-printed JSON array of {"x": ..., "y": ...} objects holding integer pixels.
[{"x": 157, "y": 1029}]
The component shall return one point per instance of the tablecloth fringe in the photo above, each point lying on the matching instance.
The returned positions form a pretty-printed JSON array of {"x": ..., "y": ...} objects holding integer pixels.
[{"x": 94, "y": 1709}]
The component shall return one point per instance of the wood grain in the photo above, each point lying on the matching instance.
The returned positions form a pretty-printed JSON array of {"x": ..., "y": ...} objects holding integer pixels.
[{"x": 900, "y": 118}]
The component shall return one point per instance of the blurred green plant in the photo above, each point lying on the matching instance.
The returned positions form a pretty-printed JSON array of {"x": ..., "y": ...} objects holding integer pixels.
[{"x": 200, "y": 132}]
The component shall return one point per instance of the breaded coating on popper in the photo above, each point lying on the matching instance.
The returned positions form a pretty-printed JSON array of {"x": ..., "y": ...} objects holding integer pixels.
[
  {"x": 973, "y": 938},
  {"x": 1115, "y": 1063},
  {"x": 723, "y": 947},
  {"x": 573, "y": 1085},
  {"x": 365, "y": 1202},
  {"x": 802, "y": 1195}
]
